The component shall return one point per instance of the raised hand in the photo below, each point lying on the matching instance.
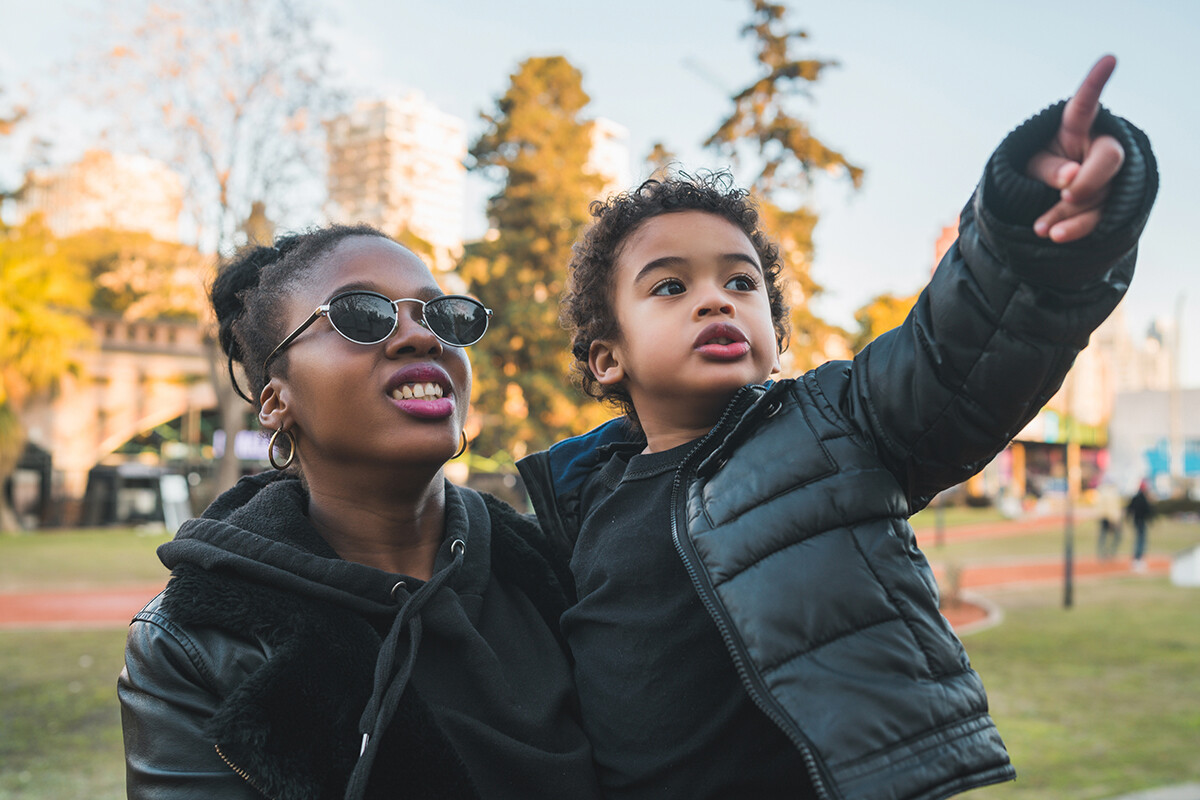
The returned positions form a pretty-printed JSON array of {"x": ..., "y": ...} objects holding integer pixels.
[{"x": 1079, "y": 165}]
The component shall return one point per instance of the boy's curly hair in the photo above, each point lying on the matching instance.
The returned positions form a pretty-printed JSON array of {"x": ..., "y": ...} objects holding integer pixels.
[{"x": 587, "y": 304}]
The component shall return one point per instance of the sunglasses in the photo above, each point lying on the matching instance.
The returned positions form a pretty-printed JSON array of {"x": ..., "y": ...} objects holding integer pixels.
[{"x": 369, "y": 318}]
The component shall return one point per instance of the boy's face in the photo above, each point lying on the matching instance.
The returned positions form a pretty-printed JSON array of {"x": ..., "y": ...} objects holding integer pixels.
[{"x": 695, "y": 321}]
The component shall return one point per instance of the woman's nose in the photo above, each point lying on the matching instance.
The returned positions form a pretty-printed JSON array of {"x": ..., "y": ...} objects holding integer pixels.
[{"x": 411, "y": 335}]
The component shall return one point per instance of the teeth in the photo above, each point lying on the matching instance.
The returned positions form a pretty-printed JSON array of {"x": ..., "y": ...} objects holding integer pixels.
[{"x": 417, "y": 391}]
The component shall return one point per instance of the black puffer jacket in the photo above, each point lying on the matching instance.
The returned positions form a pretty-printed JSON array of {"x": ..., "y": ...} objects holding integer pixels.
[
  {"x": 249, "y": 675},
  {"x": 791, "y": 514}
]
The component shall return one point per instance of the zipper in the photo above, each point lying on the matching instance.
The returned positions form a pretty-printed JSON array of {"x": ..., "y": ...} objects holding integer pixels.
[
  {"x": 241, "y": 773},
  {"x": 750, "y": 679}
]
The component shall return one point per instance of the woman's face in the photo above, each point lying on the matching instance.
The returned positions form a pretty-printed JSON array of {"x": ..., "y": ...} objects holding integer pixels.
[{"x": 354, "y": 405}]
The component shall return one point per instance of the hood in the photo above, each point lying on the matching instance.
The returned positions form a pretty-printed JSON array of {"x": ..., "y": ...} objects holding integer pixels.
[{"x": 260, "y": 530}]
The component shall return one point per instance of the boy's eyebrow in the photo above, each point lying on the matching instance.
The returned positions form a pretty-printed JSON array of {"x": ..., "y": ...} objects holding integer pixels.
[{"x": 674, "y": 261}]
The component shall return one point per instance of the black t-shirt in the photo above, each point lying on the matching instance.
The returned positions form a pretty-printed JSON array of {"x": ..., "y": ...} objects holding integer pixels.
[{"x": 662, "y": 702}]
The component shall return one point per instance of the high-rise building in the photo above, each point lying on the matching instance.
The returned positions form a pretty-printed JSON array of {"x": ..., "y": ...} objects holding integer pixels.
[
  {"x": 107, "y": 190},
  {"x": 397, "y": 164}
]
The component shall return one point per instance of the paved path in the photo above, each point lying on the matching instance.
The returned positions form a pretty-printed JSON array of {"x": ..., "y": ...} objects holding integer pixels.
[
  {"x": 116, "y": 606},
  {"x": 75, "y": 609},
  {"x": 1184, "y": 791}
]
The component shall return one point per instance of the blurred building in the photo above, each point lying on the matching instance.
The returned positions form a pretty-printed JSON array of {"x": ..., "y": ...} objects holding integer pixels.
[
  {"x": 1113, "y": 418},
  {"x": 107, "y": 190},
  {"x": 398, "y": 164},
  {"x": 1156, "y": 437},
  {"x": 609, "y": 157}
]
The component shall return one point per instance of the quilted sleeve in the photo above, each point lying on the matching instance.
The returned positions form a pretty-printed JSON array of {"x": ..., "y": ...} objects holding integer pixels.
[{"x": 993, "y": 335}]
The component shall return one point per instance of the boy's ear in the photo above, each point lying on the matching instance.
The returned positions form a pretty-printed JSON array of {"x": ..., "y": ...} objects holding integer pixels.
[
  {"x": 274, "y": 413},
  {"x": 605, "y": 363}
]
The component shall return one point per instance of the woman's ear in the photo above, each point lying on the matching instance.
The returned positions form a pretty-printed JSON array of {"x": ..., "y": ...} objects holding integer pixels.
[
  {"x": 273, "y": 412},
  {"x": 604, "y": 360}
]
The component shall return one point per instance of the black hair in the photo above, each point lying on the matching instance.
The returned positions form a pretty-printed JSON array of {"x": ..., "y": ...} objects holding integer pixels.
[
  {"x": 249, "y": 291},
  {"x": 587, "y": 305}
]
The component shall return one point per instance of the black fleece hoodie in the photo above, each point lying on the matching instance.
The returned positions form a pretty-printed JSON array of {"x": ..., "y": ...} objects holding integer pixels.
[{"x": 267, "y": 658}]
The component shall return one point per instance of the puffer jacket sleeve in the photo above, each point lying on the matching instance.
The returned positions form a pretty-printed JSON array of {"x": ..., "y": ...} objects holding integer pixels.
[
  {"x": 993, "y": 335},
  {"x": 166, "y": 698}
]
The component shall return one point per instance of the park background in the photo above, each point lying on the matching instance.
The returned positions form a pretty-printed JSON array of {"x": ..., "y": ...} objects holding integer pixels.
[{"x": 107, "y": 361}]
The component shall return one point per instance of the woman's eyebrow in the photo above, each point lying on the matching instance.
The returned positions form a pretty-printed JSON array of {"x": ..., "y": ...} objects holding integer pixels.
[{"x": 426, "y": 292}]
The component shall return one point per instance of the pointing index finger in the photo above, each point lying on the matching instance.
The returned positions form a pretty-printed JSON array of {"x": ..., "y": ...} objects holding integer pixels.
[{"x": 1082, "y": 108}]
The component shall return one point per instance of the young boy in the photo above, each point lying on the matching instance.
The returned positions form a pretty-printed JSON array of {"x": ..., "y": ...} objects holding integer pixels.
[{"x": 754, "y": 618}]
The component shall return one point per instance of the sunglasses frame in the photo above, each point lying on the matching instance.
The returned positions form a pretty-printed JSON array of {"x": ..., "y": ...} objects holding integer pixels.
[{"x": 323, "y": 311}]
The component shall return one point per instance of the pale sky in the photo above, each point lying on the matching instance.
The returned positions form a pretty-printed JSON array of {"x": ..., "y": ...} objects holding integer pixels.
[{"x": 925, "y": 90}]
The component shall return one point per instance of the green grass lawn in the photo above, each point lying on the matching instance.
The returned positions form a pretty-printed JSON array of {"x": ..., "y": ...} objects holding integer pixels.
[
  {"x": 60, "y": 736},
  {"x": 1099, "y": 699},
  {"x": 80, "y": 559},
  {"x": 1094, "y": 701}
]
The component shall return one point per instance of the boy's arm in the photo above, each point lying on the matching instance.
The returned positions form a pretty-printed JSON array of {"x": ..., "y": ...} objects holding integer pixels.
[
  {"x": 1077, "y": 163},
  {"x": 1045, "y": 251}
]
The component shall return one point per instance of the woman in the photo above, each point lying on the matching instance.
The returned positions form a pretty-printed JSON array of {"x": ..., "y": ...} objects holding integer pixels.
[{"x": 352, "y": 624}]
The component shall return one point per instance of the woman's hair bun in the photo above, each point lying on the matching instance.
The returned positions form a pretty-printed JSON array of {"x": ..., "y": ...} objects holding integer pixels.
[{"x": 235, "y": 278}]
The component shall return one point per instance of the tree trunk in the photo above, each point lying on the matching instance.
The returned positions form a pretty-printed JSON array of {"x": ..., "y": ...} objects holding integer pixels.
[
  {"x": 233, "y": 422},
  {"x": 9, "y": 521},
  {"x": 233, "y": 417}
]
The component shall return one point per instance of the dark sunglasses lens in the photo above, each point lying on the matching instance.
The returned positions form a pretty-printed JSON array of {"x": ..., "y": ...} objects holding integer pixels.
[
  {"x": 363, "y": 318},
  {"x": 458, "y": 320}
]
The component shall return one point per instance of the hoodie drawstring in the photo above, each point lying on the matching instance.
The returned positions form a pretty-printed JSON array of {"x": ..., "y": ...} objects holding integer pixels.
[{"x": 390, "y": 681}]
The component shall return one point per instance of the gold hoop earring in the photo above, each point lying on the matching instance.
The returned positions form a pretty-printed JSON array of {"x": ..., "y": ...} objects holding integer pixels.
[
  {"x": 291, "y": 449},
  {"x": 463, "y": 447}
]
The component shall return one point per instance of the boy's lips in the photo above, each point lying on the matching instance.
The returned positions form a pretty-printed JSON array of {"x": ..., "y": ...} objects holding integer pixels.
[
  {"x": 422, "y": 390},
  {"x": 722, "y": 341}
]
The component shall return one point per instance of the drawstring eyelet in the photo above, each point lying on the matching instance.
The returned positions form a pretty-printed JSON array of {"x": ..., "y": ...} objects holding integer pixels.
[
  {"x": 458, "y": 547},
  {"x": 399, "y": 585}
]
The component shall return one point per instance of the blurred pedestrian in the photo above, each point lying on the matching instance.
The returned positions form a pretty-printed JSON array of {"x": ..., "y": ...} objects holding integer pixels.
[
  {"x": 1140, "y": 510},
  {"x": 1108, "y": 504}
]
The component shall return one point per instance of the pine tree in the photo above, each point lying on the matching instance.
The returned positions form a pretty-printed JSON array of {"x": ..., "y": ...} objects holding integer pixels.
[
  {"x": 764, "y": 132},
  {"x": 536, "y": 147}
]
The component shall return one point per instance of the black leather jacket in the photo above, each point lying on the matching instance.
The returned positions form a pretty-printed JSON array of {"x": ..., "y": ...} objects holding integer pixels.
[
  {"x": 791, "y": 514},
  {"x": 248, "y": 675}
]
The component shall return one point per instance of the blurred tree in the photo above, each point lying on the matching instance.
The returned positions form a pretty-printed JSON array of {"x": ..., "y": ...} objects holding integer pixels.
[
  {"x": 881, "y": 314},
  {"x": 422, "y": 247},
  {"x": 231, "y": 93},
  {"x": 763, "y": 132},
  {"x": 536, "y": 146},
  {"x": 10, "y": 116},
  {"x": 661, "y": 162},
  {"x": 42, "y": 307},
  {"x": 140, "y": 277},
  {"x": 257, "y": 229}
]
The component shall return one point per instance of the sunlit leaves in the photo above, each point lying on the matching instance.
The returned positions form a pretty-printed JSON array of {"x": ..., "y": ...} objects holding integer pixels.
[
  {"x": 765, "y": 135},
  {"x": 41, "y": 311},
  {"x": 536, "y": 148},
  {"x": 882, "y": 313}
]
